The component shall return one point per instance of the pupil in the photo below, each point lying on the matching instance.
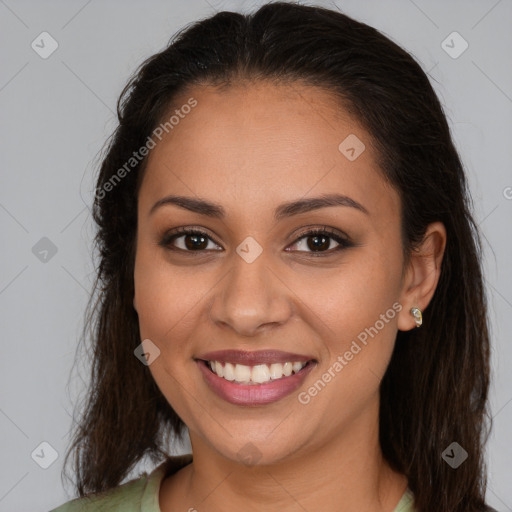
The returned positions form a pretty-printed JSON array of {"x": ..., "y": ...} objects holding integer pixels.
[
  {"x": 197, "y": 241},
  {"x": 324, "y": 244}
]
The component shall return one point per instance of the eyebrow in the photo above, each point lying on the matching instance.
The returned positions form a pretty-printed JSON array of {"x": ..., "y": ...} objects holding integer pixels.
[{"x": 289, "y": 209}]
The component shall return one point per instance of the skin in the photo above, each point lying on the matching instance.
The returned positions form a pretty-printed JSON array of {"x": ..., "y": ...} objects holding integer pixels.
[{"x": 250, "y": 148}]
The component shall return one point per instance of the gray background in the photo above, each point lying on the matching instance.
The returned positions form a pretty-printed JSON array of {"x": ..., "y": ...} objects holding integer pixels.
[{"x": 56, "y": 114}]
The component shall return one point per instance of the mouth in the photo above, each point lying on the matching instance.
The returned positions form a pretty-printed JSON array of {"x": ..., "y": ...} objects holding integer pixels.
[
  {"x": 257, "y": 374},
  {"x": 254, "y": 378}
]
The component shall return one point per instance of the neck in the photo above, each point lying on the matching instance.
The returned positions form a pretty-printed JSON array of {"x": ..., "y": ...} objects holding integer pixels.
[{"x": 346, "y": 473}]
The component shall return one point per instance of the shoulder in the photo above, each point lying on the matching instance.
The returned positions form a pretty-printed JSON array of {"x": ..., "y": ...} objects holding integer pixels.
[
  {"x": 406, "y": 503},
  {"x": 139, "y": 494},
  {"x": 125, "y": 497}
]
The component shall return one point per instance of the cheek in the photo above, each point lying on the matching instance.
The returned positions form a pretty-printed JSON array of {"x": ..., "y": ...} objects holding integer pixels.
[
  {"x": 358, "y": 304},
  {"x": 168, "y": 300},
  {"x": 167, "y": 305},
  {"x": 353, "y": 296}
]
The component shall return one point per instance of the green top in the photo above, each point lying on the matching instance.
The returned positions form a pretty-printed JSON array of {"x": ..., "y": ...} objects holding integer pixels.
[{"x": 141, "y": 494}]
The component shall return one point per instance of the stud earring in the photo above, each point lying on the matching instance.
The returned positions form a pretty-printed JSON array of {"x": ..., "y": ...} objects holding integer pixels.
[{"x": 418, "y": 317}]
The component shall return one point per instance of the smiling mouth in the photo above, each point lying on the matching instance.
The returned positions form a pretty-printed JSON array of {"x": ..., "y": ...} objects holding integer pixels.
[{"x": 255, "y": 374}]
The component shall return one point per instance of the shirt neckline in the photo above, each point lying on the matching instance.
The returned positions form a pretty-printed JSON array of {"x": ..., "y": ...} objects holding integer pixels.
[{"x": 150, "y": 497}]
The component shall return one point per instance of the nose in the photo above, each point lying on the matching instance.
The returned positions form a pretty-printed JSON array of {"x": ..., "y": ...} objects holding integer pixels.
[{"x": 251, "y": 298}]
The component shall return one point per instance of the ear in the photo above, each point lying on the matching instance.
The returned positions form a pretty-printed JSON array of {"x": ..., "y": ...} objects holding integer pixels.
[{"x": 422, "y": 274}]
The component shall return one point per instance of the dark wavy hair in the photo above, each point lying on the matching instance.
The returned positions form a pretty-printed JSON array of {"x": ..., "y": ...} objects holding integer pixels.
[{"x": 435, "y": 389}]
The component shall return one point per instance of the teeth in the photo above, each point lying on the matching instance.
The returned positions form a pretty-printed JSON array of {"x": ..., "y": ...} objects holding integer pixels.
[
  {"x": 276, "y": 371},
  {"x": 229, "y": 371},
  {"x": 218, "y": 369},
  {"x": 258, "y": 374},
  {"x": 297, "y": 367},
  {"x": 242, "y": 373}
]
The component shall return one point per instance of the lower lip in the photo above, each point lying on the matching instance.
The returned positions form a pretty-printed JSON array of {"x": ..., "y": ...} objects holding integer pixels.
[{"x": 254, "y": 394}]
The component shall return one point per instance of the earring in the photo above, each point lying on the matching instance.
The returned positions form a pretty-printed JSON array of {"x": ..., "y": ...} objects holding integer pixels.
[{"x": 418, "y": 317}]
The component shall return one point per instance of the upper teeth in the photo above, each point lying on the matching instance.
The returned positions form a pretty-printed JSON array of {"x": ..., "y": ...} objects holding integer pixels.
[{"x": 254, "y": 374}]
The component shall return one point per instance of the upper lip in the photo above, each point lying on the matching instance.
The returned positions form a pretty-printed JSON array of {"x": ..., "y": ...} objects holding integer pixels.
[{"x": 253, "y": 358}]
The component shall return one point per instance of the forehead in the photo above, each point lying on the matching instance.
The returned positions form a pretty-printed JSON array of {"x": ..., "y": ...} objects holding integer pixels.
[
  {"x": 257, "y": 141},
  {"x": 289, "y": 117}
]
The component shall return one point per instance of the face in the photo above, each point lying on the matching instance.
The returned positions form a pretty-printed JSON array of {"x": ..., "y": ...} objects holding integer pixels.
[{"x": 249, "y": 279}]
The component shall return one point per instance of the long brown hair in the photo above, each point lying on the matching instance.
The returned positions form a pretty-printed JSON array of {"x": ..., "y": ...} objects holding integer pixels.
[{"x": 435, "y": 389}]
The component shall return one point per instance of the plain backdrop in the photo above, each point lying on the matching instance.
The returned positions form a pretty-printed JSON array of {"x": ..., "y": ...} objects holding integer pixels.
[{"x": 56, "y": 113}]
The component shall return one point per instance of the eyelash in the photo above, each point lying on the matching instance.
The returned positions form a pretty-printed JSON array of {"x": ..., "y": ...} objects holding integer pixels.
[{"x": 343, "y": 242}]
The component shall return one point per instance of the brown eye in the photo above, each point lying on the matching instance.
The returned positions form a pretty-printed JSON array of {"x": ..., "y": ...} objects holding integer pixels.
[
  {"x": 316, "y": 242},
  {"x": 319, "y": 241},
  {"x": 193, "y": 240}
]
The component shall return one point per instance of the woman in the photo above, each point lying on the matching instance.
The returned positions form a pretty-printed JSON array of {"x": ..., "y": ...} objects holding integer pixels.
[{"x": 289, "y": 268}]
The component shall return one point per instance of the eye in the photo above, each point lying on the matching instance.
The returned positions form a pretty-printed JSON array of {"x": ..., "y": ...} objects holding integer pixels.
[
  {"x": 194, "y": 240},
  {"x": 317, "y": 241}
]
